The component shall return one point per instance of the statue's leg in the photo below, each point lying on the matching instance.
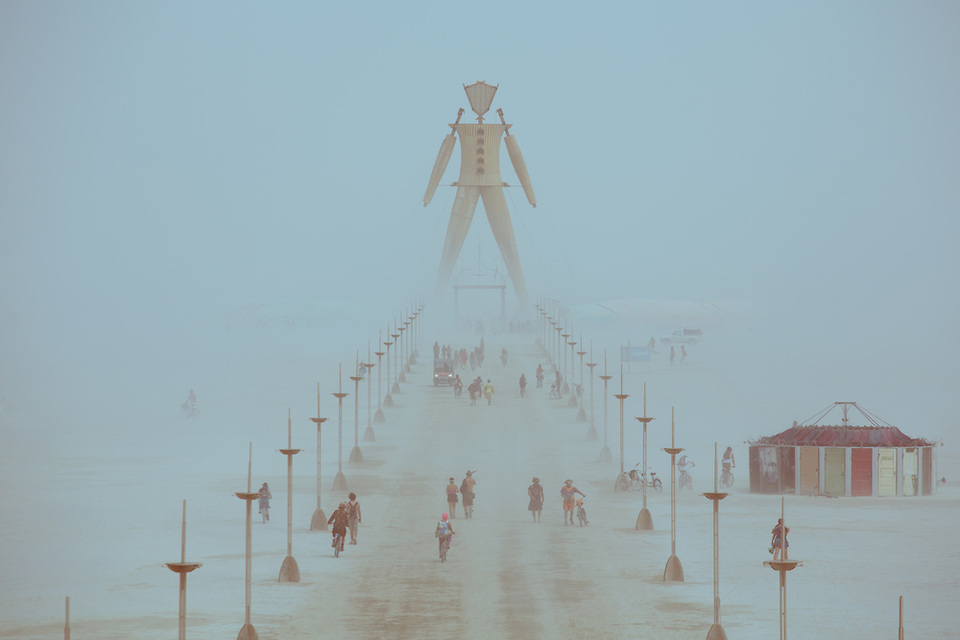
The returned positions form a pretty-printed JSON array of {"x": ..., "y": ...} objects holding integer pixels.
[
  {"x": 460, "y": 218},
  {"x": 499, "y": 217}
]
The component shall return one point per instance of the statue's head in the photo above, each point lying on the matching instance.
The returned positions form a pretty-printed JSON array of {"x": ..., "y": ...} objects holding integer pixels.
[{"x": 480, "y": 94}]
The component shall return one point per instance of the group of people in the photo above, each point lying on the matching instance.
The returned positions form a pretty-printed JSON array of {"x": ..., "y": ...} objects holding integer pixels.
[
  {"x": 683, "y": 355},
  {"x": 460, "y": 356},
  {"x": 347, "y": 516},
  {"x": 568, "y": 494},
  {"x": 479, "y": 388}
]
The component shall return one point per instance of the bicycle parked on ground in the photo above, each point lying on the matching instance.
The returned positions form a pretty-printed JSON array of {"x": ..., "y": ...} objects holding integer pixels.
[
  {"x": 634, "y": 481},
  {"x": 554, "y": 392}
]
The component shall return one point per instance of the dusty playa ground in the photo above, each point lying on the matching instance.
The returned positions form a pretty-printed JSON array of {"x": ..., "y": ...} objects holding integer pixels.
[{"x": 99, "y": 513}]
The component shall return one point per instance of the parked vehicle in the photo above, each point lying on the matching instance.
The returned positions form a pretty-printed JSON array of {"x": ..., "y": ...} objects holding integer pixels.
[
  {"x": 442, "y": 372},
  {"x": 685, "y": 336}
]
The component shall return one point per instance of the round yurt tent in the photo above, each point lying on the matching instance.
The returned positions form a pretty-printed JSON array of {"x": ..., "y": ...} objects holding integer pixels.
[{"x": 876, "y": 459}]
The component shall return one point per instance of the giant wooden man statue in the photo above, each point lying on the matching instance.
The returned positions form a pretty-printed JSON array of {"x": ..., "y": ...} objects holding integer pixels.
[{"x": 480, "y": 178}]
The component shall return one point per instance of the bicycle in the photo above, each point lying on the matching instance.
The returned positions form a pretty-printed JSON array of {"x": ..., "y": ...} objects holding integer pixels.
[
  {"x": 188, "y": 411},
  {"x": 337, "y": 545},
  {"x": 554, "y": 392},
  {"x": 726, "y": 479},
  {"x": 445, "y": 546},
  {"x": 634, "y": 481},
  {"x": 582, "y": 513}
]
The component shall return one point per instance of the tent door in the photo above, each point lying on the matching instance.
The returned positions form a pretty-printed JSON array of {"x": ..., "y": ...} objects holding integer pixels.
[
  {"x": 927, "y": 470},
  {"x": 887, "y": 472},
  {"x": 862, "y": 463},
  {"x": 810, "y": 468},
  {"x": 910, "y": 471},
  {"x": 834, "y": 477}
]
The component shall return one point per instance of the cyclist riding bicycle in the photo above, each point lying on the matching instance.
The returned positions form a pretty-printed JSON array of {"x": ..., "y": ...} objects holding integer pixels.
[
  {"x": 340, "y": 519},
  {"x": 264, "y": 500},
  {"x": 685, "y": 465},
  {"x": 728, "y": 460},
  {"x": 444, "y": 531}
]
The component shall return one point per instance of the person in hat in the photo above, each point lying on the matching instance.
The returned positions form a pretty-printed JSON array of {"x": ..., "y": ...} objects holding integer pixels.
[
  {"x": 535, "y": 491},
  {"x": 452, "y": 498},
  {"x": 567, "y": 492},
  {"x": 466, "y": 490},
  {"x": 340, "y": 519}
]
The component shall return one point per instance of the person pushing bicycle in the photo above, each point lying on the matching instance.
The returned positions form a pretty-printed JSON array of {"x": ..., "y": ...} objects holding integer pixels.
[{"x": 568, "y": 493}]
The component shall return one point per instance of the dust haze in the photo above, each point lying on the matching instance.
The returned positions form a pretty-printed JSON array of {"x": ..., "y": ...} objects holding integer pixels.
[{"x": 229, "y": 199}]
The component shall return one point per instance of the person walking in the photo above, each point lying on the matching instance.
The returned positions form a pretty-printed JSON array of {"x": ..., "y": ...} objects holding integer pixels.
[
  {"x": 535, "y": 491},
  {"x": 539, "y": 376},
  {"x": 567, "y": 492},
  {"x": 488, "y": 391},
  {"x": 452, "y": 498},
  {"x": 673, "y": 355},
  {"x": 523, "y": 385},
  {"x": 466, "y": 490},
  {"x": 683, "y": 355},
  {"x": 354, "y": 517},
  {"x": 474, "y": 390}
]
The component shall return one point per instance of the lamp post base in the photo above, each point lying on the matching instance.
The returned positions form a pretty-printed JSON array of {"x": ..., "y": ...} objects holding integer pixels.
[
  {"x": 319, "y": 520},
  {"x": 716, "y": 633},
  {"x": 340, "y": 482},
  {"x": 581, "y": 416},
  {"x": 388, "y": 401},
  {"x": 289, "y": 570},
  {"x": 356, "y": 455},
  {"x": 644, "y": 520},
  {"x": 368, "y": 435},
  {"x": 605, "y": 454},
  {"x": 395, "y": 389},
  {"x": 592, "y": 434},
  {"x": 378, "y": 416},
  {"x": 673, "y": 572},
  {"x": 400, "y": 378},
  {"x": 572, "y": 402},
  {"x": 248, "y": 633}
]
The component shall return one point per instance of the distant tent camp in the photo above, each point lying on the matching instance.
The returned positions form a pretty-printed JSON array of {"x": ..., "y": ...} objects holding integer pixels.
[{"x": 843, "y": 460}]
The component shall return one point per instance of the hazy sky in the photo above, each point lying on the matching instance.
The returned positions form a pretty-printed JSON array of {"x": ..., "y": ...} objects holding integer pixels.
[{"x": 160, "y": 159}]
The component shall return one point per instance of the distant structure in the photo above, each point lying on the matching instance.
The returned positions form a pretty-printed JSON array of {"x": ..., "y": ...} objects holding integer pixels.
[
  {"x": 480, "y": 178},
  {"x": 843, "y": 460}
]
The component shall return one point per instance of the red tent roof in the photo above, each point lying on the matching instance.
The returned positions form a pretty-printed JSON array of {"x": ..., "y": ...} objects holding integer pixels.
[{"x": 840, "y": 436}]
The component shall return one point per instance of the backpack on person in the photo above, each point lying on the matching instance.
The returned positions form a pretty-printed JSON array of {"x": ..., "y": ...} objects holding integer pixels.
[{"x": 352, "y": 509}]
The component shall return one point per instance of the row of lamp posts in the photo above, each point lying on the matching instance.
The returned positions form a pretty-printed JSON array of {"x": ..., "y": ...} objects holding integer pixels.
[
  {"x": 289, "y": 570},
  {"x": 673, "y": 571}
]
